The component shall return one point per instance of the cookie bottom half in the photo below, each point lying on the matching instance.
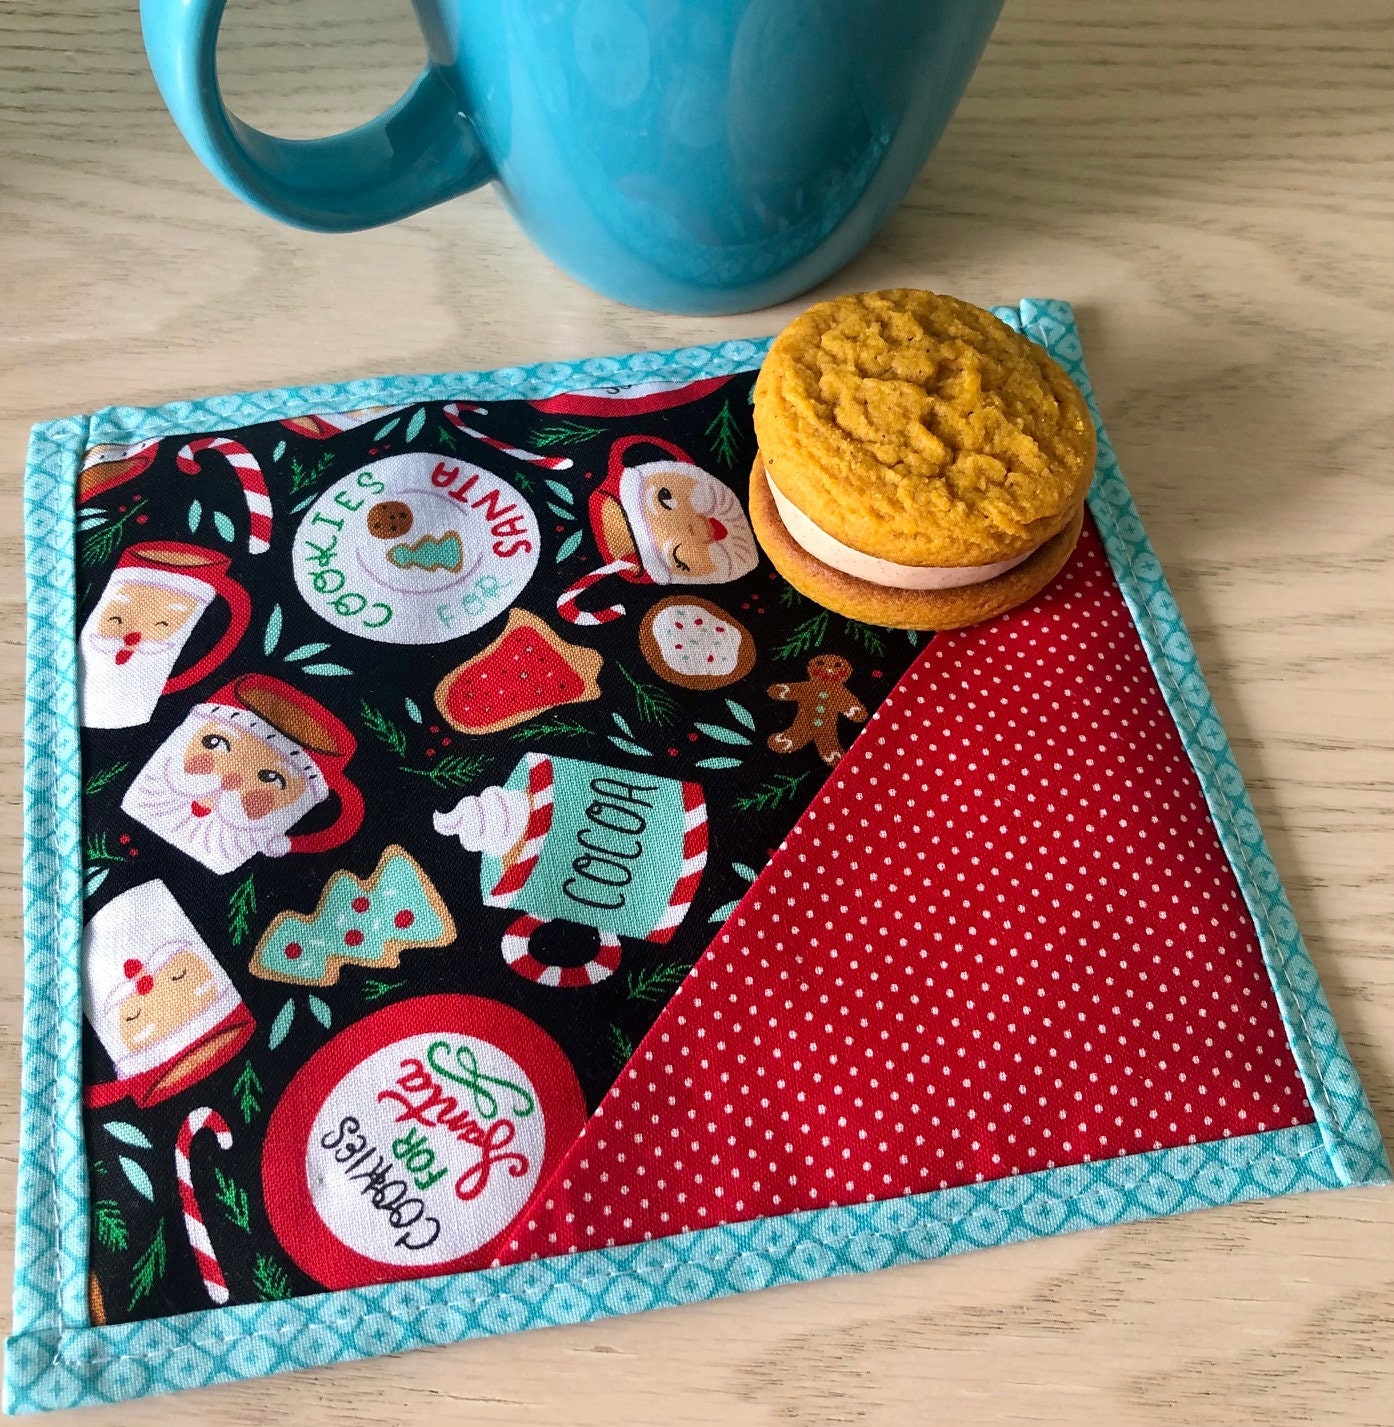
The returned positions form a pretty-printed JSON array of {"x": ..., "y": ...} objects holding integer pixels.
[{"x": 902, "y": 609}]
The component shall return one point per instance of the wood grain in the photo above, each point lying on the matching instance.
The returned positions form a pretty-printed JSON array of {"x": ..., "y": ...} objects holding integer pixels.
[{"x": 1213, "y": 187}]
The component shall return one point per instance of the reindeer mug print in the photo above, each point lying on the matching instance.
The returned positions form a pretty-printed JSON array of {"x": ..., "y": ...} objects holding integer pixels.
[{"x": 701, "y": 156}]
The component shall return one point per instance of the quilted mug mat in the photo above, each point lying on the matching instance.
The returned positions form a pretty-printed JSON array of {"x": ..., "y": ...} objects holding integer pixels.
[{"x": 1023, "y": 965}]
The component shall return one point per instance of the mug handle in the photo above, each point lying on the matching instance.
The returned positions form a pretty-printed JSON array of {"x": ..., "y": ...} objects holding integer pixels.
[
  {"x": 420, "y": 152},
  {"x": 239, "y": 606}
]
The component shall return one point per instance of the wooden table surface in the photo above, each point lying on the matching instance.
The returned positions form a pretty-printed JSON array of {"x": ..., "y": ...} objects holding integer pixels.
[{"x": 1213, "y": 187}]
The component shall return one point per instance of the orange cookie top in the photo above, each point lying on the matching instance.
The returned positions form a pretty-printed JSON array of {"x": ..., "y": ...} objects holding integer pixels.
[{"x": 922, "y": 430}]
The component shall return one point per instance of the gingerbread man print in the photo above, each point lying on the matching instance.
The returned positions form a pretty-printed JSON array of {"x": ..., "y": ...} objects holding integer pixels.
[{"x": 822, "y": 699}]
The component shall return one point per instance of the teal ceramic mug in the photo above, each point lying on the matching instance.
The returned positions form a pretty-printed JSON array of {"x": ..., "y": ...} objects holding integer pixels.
[{"x": 698, "y": 156}]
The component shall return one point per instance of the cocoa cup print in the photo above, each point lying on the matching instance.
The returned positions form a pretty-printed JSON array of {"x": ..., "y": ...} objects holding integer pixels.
[
  {"x": 154, "y": 599},
  {"x": 566, "y": 839}
]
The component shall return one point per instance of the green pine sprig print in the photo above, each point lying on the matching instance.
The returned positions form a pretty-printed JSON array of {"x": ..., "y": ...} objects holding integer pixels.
[
  {"x": 724, "y": 432},
  {"x": 778, "y": 791},
  {"x": 96, "y": 850},
  {"x": 233, "y": 1198},
  {"x": 303, "y": 476},
  {"x": 656, "y": 983},
  {"x": 549, "y": 728},
  {"x": 272, "y": 1282},
  {"x": 375, "y": 990},
  {"x": 808, "y": 636},
  {"x": 103, "y": 777},
  {"x": 870, "y": 639},
  {"x": 620, "y": 1046},
  {"x": 104, "y": 538},
  {"x": 788, "y": 595},
  {"x": 149, "y": 1268},
  {"x": 241, "y": 908},
  {"x": 98, "y": 860},
  {"x": 564, "y": 433},
  {"x": 382, "y": 727},
  {"x": 109, "y": 1225},
  {"x": 249, "y": 1090},
  {"x": 652, "y": 704},
  {"x": 455, "y": 770}
]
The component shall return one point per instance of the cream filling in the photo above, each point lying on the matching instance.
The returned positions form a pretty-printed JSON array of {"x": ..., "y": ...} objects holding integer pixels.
[{"x": 875, "y": 570}]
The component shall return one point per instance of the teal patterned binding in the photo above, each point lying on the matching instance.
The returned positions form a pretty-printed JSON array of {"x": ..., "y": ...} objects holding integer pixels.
[{"x": 54, "y": 1359}]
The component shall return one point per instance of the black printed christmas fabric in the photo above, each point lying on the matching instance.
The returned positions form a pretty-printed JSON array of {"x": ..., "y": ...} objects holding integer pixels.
[{"x": 425, "y": 751}]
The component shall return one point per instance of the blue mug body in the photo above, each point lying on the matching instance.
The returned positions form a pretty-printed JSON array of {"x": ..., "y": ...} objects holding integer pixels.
[{"x": 697, "y": 156}]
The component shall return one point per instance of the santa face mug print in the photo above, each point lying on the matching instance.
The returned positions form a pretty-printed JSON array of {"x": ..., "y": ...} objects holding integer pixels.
[{"x": 703, "y": 156}]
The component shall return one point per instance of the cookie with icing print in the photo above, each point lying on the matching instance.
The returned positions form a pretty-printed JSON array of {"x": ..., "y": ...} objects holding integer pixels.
[
  {"x": 695, "y": 643},
  {"x": 526, "y": 671},
  {"x": 415, "y": 549},
  {"x": 369, "y": 921}
]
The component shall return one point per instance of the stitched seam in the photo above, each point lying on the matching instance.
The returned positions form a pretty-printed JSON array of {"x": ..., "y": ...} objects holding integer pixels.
[
  {"x": 1164, "y": 668},
  {"x": 540, "y": 380},
  {"x": 1260, "y": 902},
  {"x": 596, "y": 1281},
  {"x": 47, "y": 951},
  {"x": 1277, "y": 962}
]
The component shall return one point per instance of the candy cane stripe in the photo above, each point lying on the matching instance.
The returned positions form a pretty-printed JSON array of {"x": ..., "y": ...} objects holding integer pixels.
[
  {"x": 249, "y": 475},
  {"x": 539, "y": 825},
  {"x": 566, "y": 605},
  {"x": 516, "y": 953},
  {"x": 550, "y": 463},
  {"x": 694, "y": 861},
  {"x": 201, "y": 1118}
]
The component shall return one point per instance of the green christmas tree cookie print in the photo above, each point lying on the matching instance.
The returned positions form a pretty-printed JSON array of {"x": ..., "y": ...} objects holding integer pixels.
[{"x": 367, "y": 921}]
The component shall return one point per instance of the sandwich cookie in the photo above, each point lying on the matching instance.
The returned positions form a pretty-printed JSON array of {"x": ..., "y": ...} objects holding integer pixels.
[{"x": 921, "y": 464}]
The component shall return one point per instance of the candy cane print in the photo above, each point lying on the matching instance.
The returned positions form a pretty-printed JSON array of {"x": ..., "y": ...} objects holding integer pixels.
[
  {"x": 566, "y": 604},
  {"x": 517, "y": 953},
  {"x": 694, "y": 860},
  {"x": 202, "y": 1245},
  {"x": 248, "y": 472},
  {"x": 452, "y": 411},
  {"x": 516, "y": 874}
]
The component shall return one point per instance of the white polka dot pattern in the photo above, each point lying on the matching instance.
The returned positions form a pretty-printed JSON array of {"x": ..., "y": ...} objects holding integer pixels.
[{"x": 1004, "y": 938}]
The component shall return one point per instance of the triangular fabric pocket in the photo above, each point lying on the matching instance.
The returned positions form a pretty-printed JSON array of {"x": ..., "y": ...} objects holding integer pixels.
[{"x": 1004, "y": 938}]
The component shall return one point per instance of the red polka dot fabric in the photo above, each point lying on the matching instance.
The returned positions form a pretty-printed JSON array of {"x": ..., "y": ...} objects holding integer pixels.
[{"x": 1004, "y": 938}]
